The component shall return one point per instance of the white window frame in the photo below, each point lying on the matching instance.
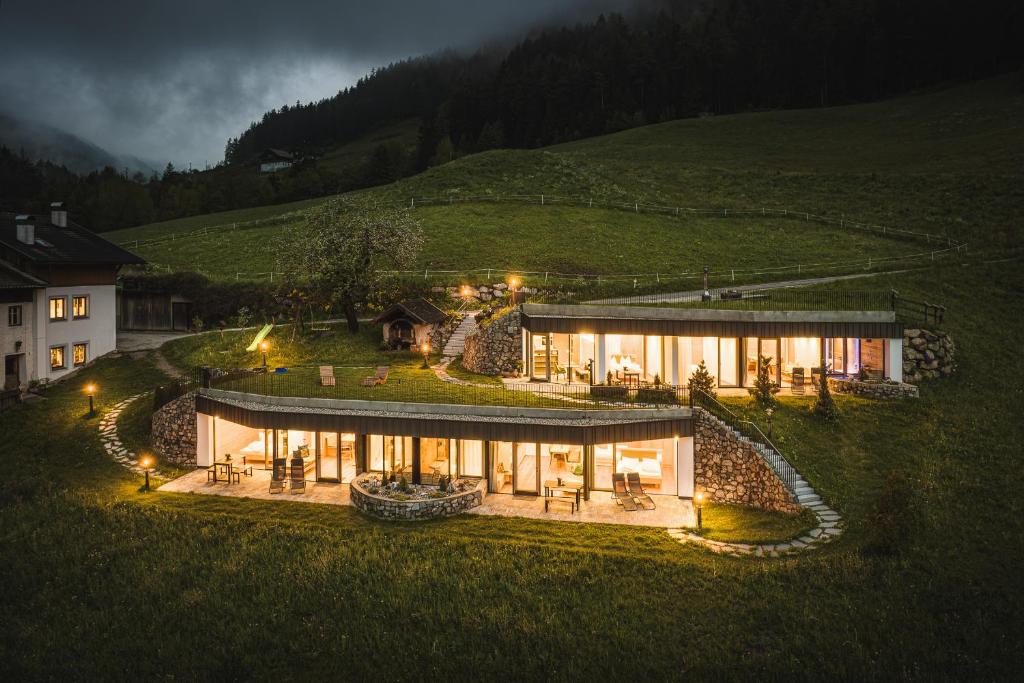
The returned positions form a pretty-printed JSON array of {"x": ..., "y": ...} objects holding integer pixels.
[{"x": 15, "y": 311}]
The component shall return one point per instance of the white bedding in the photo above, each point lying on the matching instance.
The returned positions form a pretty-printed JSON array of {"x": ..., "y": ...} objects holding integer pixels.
[{"x": 649, "y": 469}]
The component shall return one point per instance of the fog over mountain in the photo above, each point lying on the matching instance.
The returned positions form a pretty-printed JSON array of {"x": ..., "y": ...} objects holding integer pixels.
[{"x": 172, "y": 81}]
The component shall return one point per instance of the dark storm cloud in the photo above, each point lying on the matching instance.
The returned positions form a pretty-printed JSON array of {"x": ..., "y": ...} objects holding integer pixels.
[{"x": 172, "y": 80}]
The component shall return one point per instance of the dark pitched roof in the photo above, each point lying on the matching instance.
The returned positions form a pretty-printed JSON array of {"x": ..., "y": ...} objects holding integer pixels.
[
  {"x": 71, "y": 245},
  {"x": 417, "y": 310},
  {"x": 270, "y": 154},
  {"x": 12, "y": 278}
]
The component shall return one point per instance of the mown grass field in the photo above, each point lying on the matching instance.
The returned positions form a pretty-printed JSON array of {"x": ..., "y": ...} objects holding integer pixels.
[
  {"x": 946, "y": 162},
  {"x": 102, "y": 581}
]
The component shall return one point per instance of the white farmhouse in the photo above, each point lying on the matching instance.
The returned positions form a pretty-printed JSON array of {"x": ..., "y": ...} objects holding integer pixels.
[{"x": 57, "y": 296}]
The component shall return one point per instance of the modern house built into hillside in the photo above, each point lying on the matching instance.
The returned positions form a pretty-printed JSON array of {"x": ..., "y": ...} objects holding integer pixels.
[
  {"x": 57, "y": 296},
  {"x": 640, "y": 344},
  {"x": 645, "y": 353}
]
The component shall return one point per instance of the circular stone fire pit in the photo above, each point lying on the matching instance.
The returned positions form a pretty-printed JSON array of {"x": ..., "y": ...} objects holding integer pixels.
[{"x": 421, "y": 502}]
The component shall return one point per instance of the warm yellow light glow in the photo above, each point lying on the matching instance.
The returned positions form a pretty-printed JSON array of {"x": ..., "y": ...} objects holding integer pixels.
[
  {"x": 425, "y": 346},
  {"x": 146, "y": 461},
  {"x": 465, "y": 290},
  {"x": 513, "y": 282},
  {"x": 264, "y": 346},
  {"x": 90, "y": 389},
  {"x": 700, "y": 498}
]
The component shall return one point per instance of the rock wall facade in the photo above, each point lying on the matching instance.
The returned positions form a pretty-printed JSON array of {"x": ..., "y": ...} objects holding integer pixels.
[
  {"x": 730, "y": 470},
  {"x": 413, "y": 510},
  {"x": 877, "y": 390},
  {"x": 174, "y": 434},
  {"x": 441, "y": 332},
  {"x": 495, "y": 348},
  {"x": 927, "y": 354}
]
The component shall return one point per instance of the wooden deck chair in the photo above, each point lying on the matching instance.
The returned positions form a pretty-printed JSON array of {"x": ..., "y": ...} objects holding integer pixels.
[
  {"x": 369, "y": 381},
  {"x": 327, "y": 376},
  {"x": 798, "y": 381},
  {"x": 637, "y": 491},
  {"x": 297, "y": 476},
  {"x": 382, "y": 375},
  {"x": 621, "y": 495},
  {"x": 278, "y": 475}
]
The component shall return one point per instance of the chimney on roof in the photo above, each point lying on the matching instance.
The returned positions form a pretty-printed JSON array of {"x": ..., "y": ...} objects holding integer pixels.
[
  {"x": 58, "y": 214},
  {"x": 26, "y": 228}
]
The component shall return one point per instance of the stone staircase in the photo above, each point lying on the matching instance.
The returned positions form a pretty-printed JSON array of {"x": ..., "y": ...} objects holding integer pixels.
[
  {"x": 804, "y": 494},
  {"x": 457, "y": 342}
]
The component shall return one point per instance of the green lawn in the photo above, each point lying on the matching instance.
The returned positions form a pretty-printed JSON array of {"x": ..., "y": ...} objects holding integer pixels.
[
  {"x": 945, "y": 162},
  {"x": 101, "y": 580}
]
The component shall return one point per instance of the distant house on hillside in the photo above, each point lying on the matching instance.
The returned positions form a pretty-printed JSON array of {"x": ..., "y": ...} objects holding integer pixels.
[
  {"x": 57, "y": 296},
  {"x": 273, "y": 160}
]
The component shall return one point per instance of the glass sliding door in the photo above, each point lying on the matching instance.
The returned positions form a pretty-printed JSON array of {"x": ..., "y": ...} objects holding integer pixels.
[
  {"x": 435, "y": 458},
  {"x": 653, "y": 461},
  {"x": 347, "y": 455},
  {"x": 500, "y": 477},
  {"x": 872, "y": 357},
  {"x": 471, "y": 458},
  {"x": 728, "y": 362},
  {"x": 654, "y": 359},
  {"x": 755, "y": 349},
  {"x": 328, "y": 462},
  {"x": 583, "y": 354},
  {"x": 541, "y": 356},
  {"x": 561, "y": 461},
  {"x": 526, "y": 472},
  {"x": 602, "y": 467}
]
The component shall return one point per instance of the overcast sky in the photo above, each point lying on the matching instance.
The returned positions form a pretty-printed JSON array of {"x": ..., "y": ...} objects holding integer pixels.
[{"x": 172, "y": 81}]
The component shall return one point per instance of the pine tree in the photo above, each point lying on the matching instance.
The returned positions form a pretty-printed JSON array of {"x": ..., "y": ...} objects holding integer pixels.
[
  {"x": 825, "y": 406},
  {"x": 764, "y": 388},
  {"x": 702, "y": 380}
]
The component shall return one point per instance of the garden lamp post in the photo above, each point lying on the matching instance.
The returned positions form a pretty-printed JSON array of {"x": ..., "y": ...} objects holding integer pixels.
[
  {"x": 769, "y": 412},
  {"x": 425, "y": 348},
  {"x": 466, "y": 292},
  {"x": 513, "y": 285},
  {"x": 147, "y": 463},
  {"x": 706, "y": 296},
  {"x": 699, "y": 499},
  {"x": 264, "y": 346},
  {"x": 90, "y": 391}
]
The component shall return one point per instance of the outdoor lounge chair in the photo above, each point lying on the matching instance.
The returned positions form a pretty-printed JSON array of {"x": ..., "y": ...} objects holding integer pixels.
[
  {"x": 276, "y": 485},
  {"x": 621, "y": 495},
  {"x": 382, "y": 375},
  {"x": 327, "y": 376},
  {"x": 636, "y": 489},
  {"x": 297, "y": 476},
  {"x": 798, "y": 381}
]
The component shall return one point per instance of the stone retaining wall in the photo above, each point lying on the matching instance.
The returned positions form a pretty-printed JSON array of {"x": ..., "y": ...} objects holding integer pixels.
[
  {"x": 729, "y": 470},
  {"x": 442, "y": 332},
  {"x": 413, "y": 510},
  {"x": 927, "y": 354},
  {"x": 877, "y": 389},
  {"x": 495, "y": 348},
  {"x": 174, "y": 430}
]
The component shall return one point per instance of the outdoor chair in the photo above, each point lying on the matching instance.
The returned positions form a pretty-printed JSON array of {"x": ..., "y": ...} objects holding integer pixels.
[
  {"x": 297, "y": 478},
  {"x": 798, "y": 381},
  {"x": 327, "y": 376},
  {"x": 621, "y": 495},
  {"x": 211, "y": 473},
  {"x": 571, "y": 502},
  {"x": 382, "y": 375},
  {"x": 276, "y": 485},
  {"x": 636, "y": 489}
]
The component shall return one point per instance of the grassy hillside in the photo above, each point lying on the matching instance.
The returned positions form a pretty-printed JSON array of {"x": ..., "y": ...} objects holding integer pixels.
[
  {"x": 945, "y": 162},
  {"x": 104, "y": 579}
]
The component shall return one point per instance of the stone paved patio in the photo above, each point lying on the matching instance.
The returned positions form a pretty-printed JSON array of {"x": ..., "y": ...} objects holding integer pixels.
[
  {"x": 258, "y": 486},
  {"x": 671, "y": 512}
]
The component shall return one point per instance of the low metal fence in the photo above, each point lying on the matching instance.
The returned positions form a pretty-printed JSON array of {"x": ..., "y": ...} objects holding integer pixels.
[{"x": 351, "y": 383}]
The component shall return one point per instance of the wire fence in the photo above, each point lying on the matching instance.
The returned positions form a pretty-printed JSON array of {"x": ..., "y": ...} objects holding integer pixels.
[
  {"x": 351, "y": 383},
  {"x": 938, "y": 246}
]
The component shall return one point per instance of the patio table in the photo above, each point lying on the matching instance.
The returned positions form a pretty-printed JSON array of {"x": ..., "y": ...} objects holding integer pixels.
[{"x": 551, "y": 485}]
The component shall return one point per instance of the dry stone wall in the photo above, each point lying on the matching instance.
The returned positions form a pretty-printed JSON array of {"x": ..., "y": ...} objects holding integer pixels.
[
  {"x": 413, "y": 510},
  {"x": 730, "y": 470},
  {"x": 927, "y": 354},
  {"x": 872, "y": 389},
  {"x": 495, "y": 348},
  {"x": 174, "y": 434}
]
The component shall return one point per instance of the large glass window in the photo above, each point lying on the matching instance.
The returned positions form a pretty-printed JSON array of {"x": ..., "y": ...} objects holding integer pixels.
[
  {"x": 435, "y": 458},
  {"x": 624, "y": 357},
  {"x": 728, "y": 362},
  {"x": 500, "y": 475},
  {"x": 872, "y": 357},
  {"x": 292, "y": 444},
  {"x": 693, "y": 350},
  {"x": 526, "y": 468},
  {"x": 79, "y": 353},
  {"x": 471, "y": 458},
  {"x": 329, "y": 457},
  {"x": 653, "y": 359},
  {"x": 654, "y": 461},
  {"x": 560, "y": 461},
  {"x": 755, "y": 349},
  {"x": 800, "y": 357},
  {"x": 584, "y": 353},
  {"x": 604, "y": 465}
]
